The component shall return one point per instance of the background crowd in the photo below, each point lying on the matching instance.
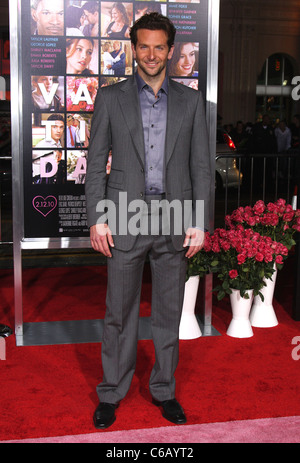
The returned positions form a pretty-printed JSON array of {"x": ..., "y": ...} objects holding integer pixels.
[{"x": 265, "y": 137}]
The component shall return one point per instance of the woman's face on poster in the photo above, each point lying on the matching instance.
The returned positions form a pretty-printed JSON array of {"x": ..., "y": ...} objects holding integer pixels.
[
  {"x": 81, "y": 57},
  {"x": 116, "y": 15},
  {"x": 186, "y": 60}
]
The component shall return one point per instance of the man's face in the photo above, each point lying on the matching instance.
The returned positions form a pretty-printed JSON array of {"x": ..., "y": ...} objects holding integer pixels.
[
  {"x": 49, "y": 17},
  {"x": 116, "y": 46},
  {"x": 57, "y": 130},
  {"x": 91, "y": 17},
  {"x": 47, "y": 81},
  {"x": 152, "y": 52},
  {"x": 57, "y": 155}
]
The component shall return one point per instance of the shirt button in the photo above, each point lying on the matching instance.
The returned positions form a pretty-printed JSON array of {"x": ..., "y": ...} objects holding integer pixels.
[
  {"x": 152, "y": 125},
  {"x": 151, "y": 146},
  {"x": 142, "y": 170}
]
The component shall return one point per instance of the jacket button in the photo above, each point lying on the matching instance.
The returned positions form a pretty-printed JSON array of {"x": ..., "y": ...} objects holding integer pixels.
[
  {"x": 141, "y": 194},
  {"x": 142, "y": 170}
]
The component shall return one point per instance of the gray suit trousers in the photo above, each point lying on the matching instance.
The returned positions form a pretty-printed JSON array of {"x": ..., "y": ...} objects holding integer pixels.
[{"x": 120, "y": 336}]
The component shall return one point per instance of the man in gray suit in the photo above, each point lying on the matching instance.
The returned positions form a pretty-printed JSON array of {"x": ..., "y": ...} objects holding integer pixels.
[{"x": 157, "y": 132}]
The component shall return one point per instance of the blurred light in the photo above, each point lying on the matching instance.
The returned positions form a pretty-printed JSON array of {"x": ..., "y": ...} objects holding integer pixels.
[{"x": 229, "y": 142}]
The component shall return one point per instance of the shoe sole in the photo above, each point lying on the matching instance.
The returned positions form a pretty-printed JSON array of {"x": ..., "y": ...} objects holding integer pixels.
[
  {"x": 174, "y": 421},
  {"x": 105, "y": 426}
]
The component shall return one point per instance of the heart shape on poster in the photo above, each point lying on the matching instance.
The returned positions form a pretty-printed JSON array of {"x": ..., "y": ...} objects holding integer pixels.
[{"x": 44, "y": 205}]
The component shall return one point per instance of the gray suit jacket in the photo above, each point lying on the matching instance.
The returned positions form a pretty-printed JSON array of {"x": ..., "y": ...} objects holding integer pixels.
[{"x": 117, "y": 123}]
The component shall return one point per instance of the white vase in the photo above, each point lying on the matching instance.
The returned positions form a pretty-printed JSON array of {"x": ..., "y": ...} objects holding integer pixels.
[
  {"x": 189, "y": 327},
  {"x": 262, "y": 313},
  {"x": 240, "y": 326}
]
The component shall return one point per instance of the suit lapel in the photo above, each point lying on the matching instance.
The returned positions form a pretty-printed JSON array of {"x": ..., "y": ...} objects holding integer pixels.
[
  {"x": 176, "y": 112},
  {"x": 130, "y": 106}
]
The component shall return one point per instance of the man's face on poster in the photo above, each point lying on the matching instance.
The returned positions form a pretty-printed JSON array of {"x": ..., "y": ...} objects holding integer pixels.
[
  {"x": 49, "y": 17},
  {"x": 91, "y": 17},
  {"x": 57, "y": 155},
  {"x": 57, "y": 130},
  {"x": 116, "y": 45}
]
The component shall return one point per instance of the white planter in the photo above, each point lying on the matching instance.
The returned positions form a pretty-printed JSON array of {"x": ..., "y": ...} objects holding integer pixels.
[
  {"x": 240, "y": 326},
  {"x": 262, "y": 313},
  {"x": 189, "y": 327}
]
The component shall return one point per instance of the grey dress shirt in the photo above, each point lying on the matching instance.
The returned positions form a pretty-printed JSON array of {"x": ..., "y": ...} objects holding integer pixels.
[{"x": 154, "y": 117}]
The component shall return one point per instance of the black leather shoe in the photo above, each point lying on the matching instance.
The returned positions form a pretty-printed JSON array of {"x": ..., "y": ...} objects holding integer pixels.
[
  {"x": 172, "y": 410},
  {"x": 5, "y": 331},
  {"x": 104, "y": 415}
]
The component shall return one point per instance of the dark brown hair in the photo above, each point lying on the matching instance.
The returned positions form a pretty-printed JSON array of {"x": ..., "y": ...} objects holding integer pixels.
[{"x": 153, "y": 22}]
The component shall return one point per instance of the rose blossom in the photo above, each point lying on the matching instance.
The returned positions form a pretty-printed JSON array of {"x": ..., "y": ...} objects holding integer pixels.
[
  {"x": 233, "y": 274},
  {"x": 259, "y": 207},
  {"x": 288, "y": 216},
  {"x": 259, "y": 257},
  {"x": 241, "y": 258}
]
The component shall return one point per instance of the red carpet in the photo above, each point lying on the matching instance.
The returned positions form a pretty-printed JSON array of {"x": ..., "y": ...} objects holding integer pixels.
[
  {"x": 282, "y": 430},
  {"x": 50, "y": 390}
]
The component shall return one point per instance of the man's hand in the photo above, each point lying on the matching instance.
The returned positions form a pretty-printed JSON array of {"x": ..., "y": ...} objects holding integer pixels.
[
  {"x": 101, "y": 239},
  {"x": 194, "y": 238}
]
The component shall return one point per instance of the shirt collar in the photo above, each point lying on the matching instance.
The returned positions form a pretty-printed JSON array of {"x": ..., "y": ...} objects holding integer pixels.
[{"x": 141, "y": 83}]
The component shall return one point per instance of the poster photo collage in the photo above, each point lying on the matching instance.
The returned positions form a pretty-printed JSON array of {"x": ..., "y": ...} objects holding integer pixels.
[{"x": 77, "y": 46}]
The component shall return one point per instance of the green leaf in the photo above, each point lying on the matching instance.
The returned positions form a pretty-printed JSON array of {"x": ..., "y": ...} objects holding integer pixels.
[
  {"x": 221, "y": 294},
  {"x": 261, "y": 296},
  {"x": 214, "y": 263},
  {"x": 225, "y": 284}
]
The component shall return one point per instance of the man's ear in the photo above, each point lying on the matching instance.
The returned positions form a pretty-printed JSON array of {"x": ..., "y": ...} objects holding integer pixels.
[
  {"x": 170, "y": 54},
  {"x": 33, "y": 14},
  {"x": 133, "y": 50}
]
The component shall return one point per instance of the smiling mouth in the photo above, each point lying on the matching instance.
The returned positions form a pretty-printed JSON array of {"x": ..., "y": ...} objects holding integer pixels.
[{"x": 152, "y": 64}]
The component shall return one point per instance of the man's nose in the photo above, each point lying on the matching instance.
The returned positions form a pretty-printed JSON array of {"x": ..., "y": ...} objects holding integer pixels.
[
  {"x": 55, "y": 18},
  {"x": 151, "y": 54}
]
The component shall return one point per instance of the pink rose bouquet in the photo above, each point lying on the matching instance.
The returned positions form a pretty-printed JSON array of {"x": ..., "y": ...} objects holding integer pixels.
[
  {"x": 241, "y": 258},
  {"x": 277, "y": 220}
]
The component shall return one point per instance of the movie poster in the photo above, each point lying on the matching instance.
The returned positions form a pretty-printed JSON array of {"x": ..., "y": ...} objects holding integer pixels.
[{"x": 69, "y": 49}]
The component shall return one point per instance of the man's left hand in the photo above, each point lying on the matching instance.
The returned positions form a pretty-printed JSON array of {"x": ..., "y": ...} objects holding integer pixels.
[{"x": 194, "y": 238}]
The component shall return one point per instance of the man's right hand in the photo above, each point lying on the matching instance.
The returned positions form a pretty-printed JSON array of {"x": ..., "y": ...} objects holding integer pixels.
[{"x": 101, "y": 239}]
